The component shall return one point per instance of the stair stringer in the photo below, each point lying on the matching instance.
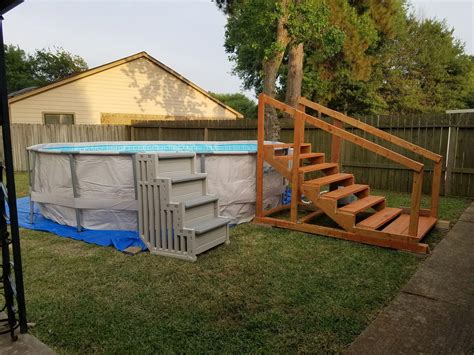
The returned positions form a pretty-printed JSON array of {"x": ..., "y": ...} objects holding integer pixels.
[
  {"x": 269, "y": 156},
  {"x": 161, "y": 220},
  {"x": 329, "y": 207}
]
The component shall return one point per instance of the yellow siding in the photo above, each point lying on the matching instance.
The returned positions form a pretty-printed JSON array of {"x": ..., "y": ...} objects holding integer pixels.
[{"x": 137, "y": 87}]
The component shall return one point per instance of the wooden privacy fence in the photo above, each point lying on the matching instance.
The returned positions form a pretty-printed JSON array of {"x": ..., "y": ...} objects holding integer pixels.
[
  {"x": 450, "y": 135},
  {"x": 25, "y": 135}
]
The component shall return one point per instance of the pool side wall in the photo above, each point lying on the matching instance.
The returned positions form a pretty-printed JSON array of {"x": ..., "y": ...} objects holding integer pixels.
[{"x": 98, "y": 190}]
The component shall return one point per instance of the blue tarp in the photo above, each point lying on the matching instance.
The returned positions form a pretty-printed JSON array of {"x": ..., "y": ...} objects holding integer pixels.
[{"x": 120, "y": 240}]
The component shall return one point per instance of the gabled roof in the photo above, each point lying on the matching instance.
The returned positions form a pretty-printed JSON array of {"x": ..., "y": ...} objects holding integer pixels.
[{"x": 18, "y": 96}]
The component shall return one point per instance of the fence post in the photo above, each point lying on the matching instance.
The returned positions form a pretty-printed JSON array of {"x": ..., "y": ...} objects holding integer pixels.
[{"x": 450, "y": 156}]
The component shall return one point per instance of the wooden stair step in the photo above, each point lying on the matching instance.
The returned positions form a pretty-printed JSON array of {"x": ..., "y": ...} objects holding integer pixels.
[
  {"x": 345, "y": 191},
  {"x": 362, "y": 204},
  {"x": 326, "y": 180},
  {"x": 285, "y": 145},
  {"x": 380, "y": 218},
  {"x": 317, "y": 167},
  {"x": 401, "y": 225},
  {"x": 302, "y": 156}
]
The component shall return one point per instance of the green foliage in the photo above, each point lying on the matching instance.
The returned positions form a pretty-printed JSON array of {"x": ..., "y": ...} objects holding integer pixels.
[
  {"x": 238, "y": 102},
  {"x": 40, "y": 68},
  {"x": 18, "y": 69},
  {"x": 424, "y": 70},
  {"x": 49, "y": 66},
  {"x": 250, "y": 37},
  {"x": 251, "y": 30},
  {"x": 469, "y": 100},
  {"x": 342, "y": 81},
  {"x": 309, "y": 23}
]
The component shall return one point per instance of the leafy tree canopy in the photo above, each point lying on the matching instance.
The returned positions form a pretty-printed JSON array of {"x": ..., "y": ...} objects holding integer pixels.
[
  {"x": 360, "y": 56},
  {"x": 238, "y": 102},
  {"x": 251, "y": 27},
  {"x": 39, "y": 68}
]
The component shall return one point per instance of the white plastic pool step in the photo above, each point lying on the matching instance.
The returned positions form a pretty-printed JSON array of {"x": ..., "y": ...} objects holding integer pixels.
[
  {"x": 186, "y": 178},
  {"x": 177, "y": 217},
  {"x": 199, "y": 201},
  {"x": 208, "y": 225}
]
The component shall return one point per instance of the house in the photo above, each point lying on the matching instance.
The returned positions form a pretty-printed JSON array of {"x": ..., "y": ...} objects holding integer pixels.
[{"x": 137, "y": 87}]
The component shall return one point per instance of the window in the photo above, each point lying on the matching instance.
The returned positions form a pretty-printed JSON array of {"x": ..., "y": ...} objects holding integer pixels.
[{"x": 58, "y": 118}]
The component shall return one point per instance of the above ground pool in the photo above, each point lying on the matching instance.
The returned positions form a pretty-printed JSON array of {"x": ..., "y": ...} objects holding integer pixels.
[{"x": 94, "y": 182}]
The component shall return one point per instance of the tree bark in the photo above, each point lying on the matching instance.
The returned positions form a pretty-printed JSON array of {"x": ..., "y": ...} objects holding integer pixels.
[
  {"x": 295, "y": 74},
  {"x": 270, "y": 73}
]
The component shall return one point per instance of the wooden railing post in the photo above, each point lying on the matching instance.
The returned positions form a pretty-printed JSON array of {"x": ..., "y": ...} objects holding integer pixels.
[
  {"x": 260, "y": 147},
  {"x": 336, "y": 144},
  {"x": 435, "y": 187},
  {"x": 415, "y": 203},
  {"x": 295, "y": 174},
  {"x": 302, "y": 108}
]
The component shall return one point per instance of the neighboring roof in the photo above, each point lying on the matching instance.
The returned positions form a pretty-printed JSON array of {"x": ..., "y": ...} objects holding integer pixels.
[
  {"x": 18, "y": 96},
  {"x": 21, "y": 91}
]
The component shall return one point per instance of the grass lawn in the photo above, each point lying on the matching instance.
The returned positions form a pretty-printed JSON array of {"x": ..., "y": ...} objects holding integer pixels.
[{"x": 270, "y": 290}]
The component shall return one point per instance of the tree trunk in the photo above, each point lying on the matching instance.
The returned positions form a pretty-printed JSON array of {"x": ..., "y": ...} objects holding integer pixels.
[
  {"x": 270, "y": 73},
  {"x": 295, "y": 74}
]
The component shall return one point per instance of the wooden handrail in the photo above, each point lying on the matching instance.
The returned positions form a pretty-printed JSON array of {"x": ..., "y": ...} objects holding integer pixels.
[
  {"x": 340, "y": 132},
  {"x": 372, "y": 130},
  {"x": 364, "y": 143}
]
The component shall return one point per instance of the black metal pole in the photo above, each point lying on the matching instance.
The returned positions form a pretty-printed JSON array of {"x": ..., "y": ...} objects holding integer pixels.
[
  {"x": 6, "y": 267},
  {"x": 8, "y": 156}
]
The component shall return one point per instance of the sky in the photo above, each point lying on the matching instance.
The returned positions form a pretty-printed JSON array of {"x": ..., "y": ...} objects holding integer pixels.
[{"x": 186, "y": 35}]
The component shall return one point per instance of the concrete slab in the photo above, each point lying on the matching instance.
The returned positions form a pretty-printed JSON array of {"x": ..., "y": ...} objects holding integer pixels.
[
  {"x": 417, "y": 325},
  {"x": 467, "y": 217},
  {"x": 434, "y": 313},
  {"x": 470, "y": 209},
  {"x": 444, "y": 275},
  {"x": 25, "y": 345}
]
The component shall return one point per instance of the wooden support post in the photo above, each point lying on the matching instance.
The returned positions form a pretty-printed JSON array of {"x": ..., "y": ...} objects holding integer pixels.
[
  {"x": 336, "y": 144},
  {"x": 415, "y": 203},
  {"x": 435, "y": 187},
  {"x": 260, "y": 147},
  {"x": 295, "y": 173},
  {"x": 206, "y": 133}
]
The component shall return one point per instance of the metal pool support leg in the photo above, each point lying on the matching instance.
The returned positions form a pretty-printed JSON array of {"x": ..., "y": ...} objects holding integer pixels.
[
  {"x": 31, "y": 181},
  {"x": 135, "y": 185},
  {"x": 203, "y": 163},
  {"x": 75, "y": 191}
]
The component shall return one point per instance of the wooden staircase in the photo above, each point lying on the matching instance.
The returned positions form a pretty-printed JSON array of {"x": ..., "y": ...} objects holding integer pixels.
[{"x": 359, "y": 215}]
